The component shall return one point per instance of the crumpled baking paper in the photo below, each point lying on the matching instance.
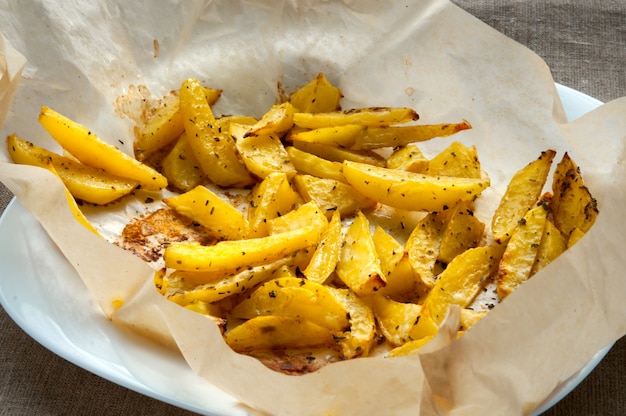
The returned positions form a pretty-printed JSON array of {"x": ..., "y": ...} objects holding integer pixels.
[{"x": 429, "y": 55}]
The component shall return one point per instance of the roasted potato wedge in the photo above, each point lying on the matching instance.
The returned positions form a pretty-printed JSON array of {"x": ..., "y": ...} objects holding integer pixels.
[
  {"x": 83, "y": 182},
  {"x": 462, "y": 280},
  {"x": 84, "y": 145},
  {"x": 212, "y": 212},
  {"x": 521, "y": 251},
  {"x": 572, "y": 205},
  {"x": 297, "y": 298},
  {"x": 331, "y": 195},
  {"x": 214, "y": 149},
  {"x": 411, "y": 191},
  {"x": 394, "y": 136},
  {"x": 520, "y": 196},
  {"x": 358, "y": 265},
  {"x": 318, "y": 96},
  {"x": 326, "y": 254},
  {"x": 370, "y": 117}
]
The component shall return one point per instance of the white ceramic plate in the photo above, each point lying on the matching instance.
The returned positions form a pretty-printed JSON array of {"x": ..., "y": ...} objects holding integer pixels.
[{"x": 76, "y": 330}]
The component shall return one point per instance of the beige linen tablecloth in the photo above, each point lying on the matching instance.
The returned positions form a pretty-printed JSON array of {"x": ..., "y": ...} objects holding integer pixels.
[{"x": 583, "y": 42}]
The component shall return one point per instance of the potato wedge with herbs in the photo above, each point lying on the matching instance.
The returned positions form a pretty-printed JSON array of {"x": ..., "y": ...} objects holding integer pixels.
[
  {"x": 337, "y": 154},
  {"x": 84, "y": 145},
  {"x": 423, "y": 247},
  {"x": 214, "y": 149},
  {"x": 318, "y": 96},
  {"x": 212, "y": 212},
  {"x": 239, "y": 253},
  {"x": 331, "y": 195},
  {"x": 553, "y": 244},
  {"x": 411, "y": 191},
  {"x": 164, "y": 125},
  {"x": 277, "y": 332},
  {"x": 297, "y": 298},
  {"x": 411, "y": 347},
  {"x": 83, "y": 182},
  {"x": 573, "y": 206},
  {"x": 409, "y": 158},
  {"x": 326, "y": 253},
  {"x": 462, "y": 280},
  {"x": 181, "y": 289},
  {"x": 310, "y": 164},
  {"x": 402, "y": 282},
  {"x": 74, "y": 208},
  {"x": 276, "y": 121},
  {"x": 395, "y": 319},
  {"x": 338, "y": 136},
  {"x": 271, "y": 198},
  {"x": 181, "y": 168},
  {"x": 305, "y": 215},
  {"x": 359, "y": 338},
  {"x": 262, "y": 153},
  {"x": 358, "y": 265},
  {"x": 370, "y": 117},
  {"x": 521, "y": 251},
  {"x": 520, "y": 196},
  {"x": 394, "y": 136},
  {"x": 463, "y": 231},
  {"x": 456, "y": 160}
]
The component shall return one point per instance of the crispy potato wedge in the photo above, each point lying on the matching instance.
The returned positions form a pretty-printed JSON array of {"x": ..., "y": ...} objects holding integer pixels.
[
  {"x": 463, "y": 230},
  {"x": 310, "y": 164},
  {"x": 411, "y": 191},
  {"x": 181, "y": 168},
  {"x": 411, "y": 347},
  {"x": 277, "y": 332},
  {"x": 394, "y": 136},
  {"x": 318, "y": 96},
  {"x": 338, "y": 136},
  {"x": 212, "y": 212},
  {"x": 409, "y": 158},
  {"x": 370, "y": 117},
  {"x": 83, "y": 182},
  {"x": 214, "y": 149},
  {"x": 182, "y": 288},
  {"x": 423, "y": 247},
  {"x": 462, "y": 280},
  {"x": 395, "y": 319},
  {"x": 305, "y": 215},
  {"x": 358, "y": 265},
  {"x": 331, "y": 195},
  {"x": 274, "y": 122},
  {"x": 84, "y": 145},
  {"x": 520, "y": 196},
  {"x": 297, "y": 298},
  {"x": 262, "y": 153},
  {"x": 574, "y": 237},
  {"x": 326, "y": 254},
  {"x": 76, "y": 212},
  {"x": 402, "y": 283},
  {"x": 358, "y": 339},
  {"x": 469, "y": 317},
  {"x": 521, "y": 251},
  {"x": 573, "y": 206},
  {"x": 239, "y": 253},
  {"x": 164, "y": 125},
  {"x": 456, "y": 160},
  {"x": 273, "y": 197},
  {"x": 552, "y": 245},
  {"x": 337, "y": 154}
]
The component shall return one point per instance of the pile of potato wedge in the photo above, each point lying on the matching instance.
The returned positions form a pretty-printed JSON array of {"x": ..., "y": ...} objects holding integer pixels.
[{"x": 351, "y": 239}]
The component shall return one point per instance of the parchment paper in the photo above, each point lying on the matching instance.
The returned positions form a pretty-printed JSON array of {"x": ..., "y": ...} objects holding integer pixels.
[{"x": 429, "y": 55}]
